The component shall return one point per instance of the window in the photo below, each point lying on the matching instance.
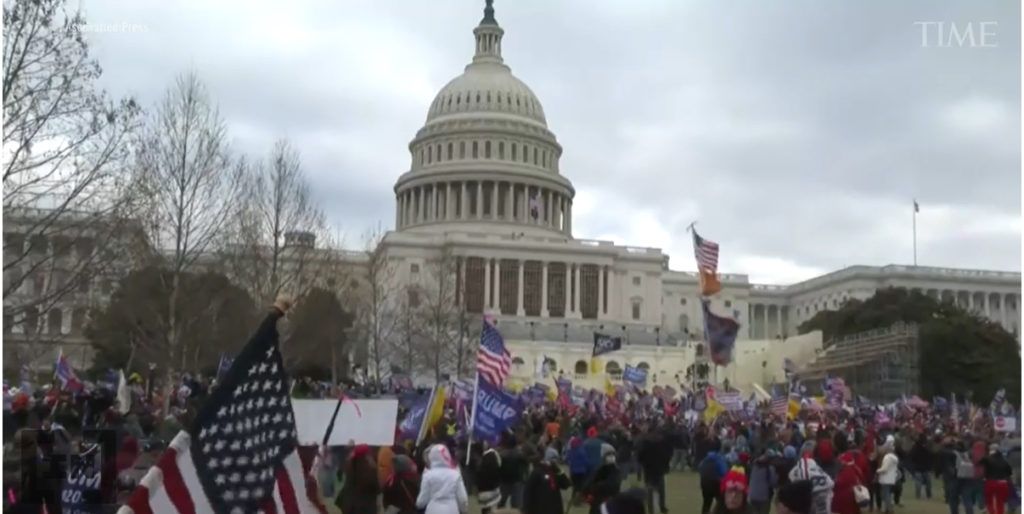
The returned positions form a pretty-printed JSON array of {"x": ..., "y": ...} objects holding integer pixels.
[
  {"x": 438, "y": 153},
  {"x": 535, "y": 156},
  {"x": 422, "y": 159},
  {"x": 501, "y": 150},
  {"x": 487, "y": 149},
  {"x": 54, "y": 320},
  {"x": 526, "y": 154},
  {"x": 636, "y": 281},
  {"x": 414, "y": 268},
  {"x": 430, "y": 154},
  {"x": 636, "y": 310},
  {"x": 475, "y": 149},
  {"x": 612, "y": 368},
  {"x": 414, "y": 298},
  {"x": 38, "y": 244},
  {"x": 462, "y": 149},
  {"x": 581, "y": 367},
  {"x": 514, "y": 151},
  {"x": 728, "y": 303},
  {"x": 449, "y": 151},
  {"x": 644, "y": 366},
  {"x": 682, "y": 301}
]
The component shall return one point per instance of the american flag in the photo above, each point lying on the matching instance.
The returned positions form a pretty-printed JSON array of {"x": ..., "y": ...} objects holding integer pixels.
[
  {"x": 241, "y": 454},
  {"x": 706, "y": 252},
  {"x": 780, "y": 405},
  {"x": 493, "y": 361},
  {"x": 66, "y": 374}
]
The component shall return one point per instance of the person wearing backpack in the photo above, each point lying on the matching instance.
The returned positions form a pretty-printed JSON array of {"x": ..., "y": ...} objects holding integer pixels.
[{"x": 958, "y": 477}]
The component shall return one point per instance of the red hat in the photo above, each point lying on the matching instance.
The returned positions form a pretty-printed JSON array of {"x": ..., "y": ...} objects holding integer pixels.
[
  {"x": 592, "y": 432},
  {"x": 735, "y": 479},
  {"x": 360, "y": 451}
]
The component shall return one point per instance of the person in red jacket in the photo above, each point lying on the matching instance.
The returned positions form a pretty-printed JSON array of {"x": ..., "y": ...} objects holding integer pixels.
[{"x": 849, "y": 476}]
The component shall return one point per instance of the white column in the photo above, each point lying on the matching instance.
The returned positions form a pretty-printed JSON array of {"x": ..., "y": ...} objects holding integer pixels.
[
  {"x": 568, "y": 216},
  {"x": 544, "y": 290},
  {"x": 487, "y": 283},
  {"x": 464, "y": 193},
  {"x": 556, "y": 201},
  {"x": 398, "y": 211},
  {"x": 494, "y": 200},
  {"x": 449, "y": 203},
  {"x": 479, "y": 199},
  {"x": 521, "y": 296},
  {"x": 497, "y": 285},
  {"x": 508, "y": 201},
  {"x": 433, "y": 203},
  {"x": 568, "y": 290},
  {"x": 600, "y": 291},
  {"x": 576, "y": 293}
]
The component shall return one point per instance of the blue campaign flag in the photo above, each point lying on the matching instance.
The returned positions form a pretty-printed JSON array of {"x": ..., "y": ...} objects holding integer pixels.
[
  {"x": 635, "y": 375},
  {"x": 496, "y": 411},
  {"x": 564, "y": 386},
  {"x": 409, "y": 428}
]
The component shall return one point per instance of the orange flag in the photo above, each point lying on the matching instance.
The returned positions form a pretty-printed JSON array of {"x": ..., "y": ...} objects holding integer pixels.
[{"x": 709, "y": 283}]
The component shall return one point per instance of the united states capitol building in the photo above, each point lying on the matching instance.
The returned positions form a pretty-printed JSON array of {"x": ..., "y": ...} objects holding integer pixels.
[
  {"x": 485, "y": 193},
  {"x": 485, "y": 187}
]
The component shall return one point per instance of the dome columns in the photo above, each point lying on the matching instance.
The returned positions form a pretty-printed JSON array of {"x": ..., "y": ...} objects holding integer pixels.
[{"x": 485, "y": 200}]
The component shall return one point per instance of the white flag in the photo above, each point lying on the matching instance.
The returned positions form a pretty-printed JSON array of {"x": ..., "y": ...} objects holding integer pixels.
[{"x": 124, "y": 398}]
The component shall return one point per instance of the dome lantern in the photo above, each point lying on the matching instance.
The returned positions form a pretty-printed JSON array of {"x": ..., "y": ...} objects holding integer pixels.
[{"x": 488, "y": 37}]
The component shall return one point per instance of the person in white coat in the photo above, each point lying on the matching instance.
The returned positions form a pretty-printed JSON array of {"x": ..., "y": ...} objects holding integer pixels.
[
  {"x": 888, "y": 474},
  {"x": 441, "y": 489}
]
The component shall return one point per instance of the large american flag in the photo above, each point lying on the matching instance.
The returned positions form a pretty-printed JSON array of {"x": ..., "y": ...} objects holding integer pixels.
[
  {"x": 241, "y": 454},
  {"x": 493, "y": 361},
  {"x": 780, "y": 405},
  {"x": 706, "y": 252}
]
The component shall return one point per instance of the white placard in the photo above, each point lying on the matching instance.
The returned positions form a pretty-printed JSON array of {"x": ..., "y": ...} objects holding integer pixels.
[
  {"x": 1005, "y": 424},
  {"x": 373, "y": 424}
]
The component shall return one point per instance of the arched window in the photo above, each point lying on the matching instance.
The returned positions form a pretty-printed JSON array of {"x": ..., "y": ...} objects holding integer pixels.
[
  {"x": 458, "y": 99},
  {"x": 449, "y": 151},
  {"x": 684, "y": 323},
  {"x": 430, "y": 154},
  {"x": 644, "y": 366},
  {"x": 581, "y": 367},
  {"x": 518, "y": 361},
  {"x": 699, "y": 350},
  {"x": 612, "y": 368},
  {"x": 462, "y": 149},
  {"x": 526, "y": 154},
  {"x": 439, "y": 152},
  {"x": 422, "y": 160},
  {"x": 488, "y": 97},
  {"x": 535, "y": 156},
  {"x": 550, "y": 364},
  {"x": 514, "y": 156},
  {"x": 476, "y": 152},
  {"x": 501, "y": 150},
  {"x": 487, "y": 149}
]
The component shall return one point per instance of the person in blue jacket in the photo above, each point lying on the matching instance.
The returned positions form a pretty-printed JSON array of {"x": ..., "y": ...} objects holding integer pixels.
[
  {"x": 711, "y": 470},
  {"x": 592, "y": 448},
  {"x": 579, "y": 466}
]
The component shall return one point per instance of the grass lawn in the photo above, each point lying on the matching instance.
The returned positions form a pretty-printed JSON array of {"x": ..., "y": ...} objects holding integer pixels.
[{"x": 683, "y": 492}]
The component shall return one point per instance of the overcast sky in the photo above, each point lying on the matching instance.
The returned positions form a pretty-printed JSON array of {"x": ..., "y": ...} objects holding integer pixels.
[{"x": 796, "y": 132}]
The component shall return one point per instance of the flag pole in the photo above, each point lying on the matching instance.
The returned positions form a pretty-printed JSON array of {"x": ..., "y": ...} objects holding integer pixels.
[
  {"x": 472, "y": 417},
  {"x": 915, "y": 231}
]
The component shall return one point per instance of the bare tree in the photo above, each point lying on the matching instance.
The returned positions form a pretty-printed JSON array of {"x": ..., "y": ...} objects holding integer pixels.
[
  {"x": 441, "y": 313},
  {"x": 191, "y": 183},
  {"x": 65, "y": 149},
  {"x": 280, "y": 239},
  {"x": 376, "y": 304}
]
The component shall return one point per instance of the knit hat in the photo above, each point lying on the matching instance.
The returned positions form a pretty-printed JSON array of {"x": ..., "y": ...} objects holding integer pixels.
[
  {"x": 734, "y": 479},
  {"x": 360, "y": 451},
  {"x": 629, "y": 502},
  {"x": 592, "y": 432},
  {"x": 797, "y": 496}
]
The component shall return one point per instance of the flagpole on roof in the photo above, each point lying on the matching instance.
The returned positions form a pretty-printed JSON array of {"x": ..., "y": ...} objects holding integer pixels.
[{"x": 916, "y": 208}]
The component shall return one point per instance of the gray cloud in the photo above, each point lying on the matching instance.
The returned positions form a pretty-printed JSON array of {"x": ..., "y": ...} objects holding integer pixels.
[{"x": 797, "y": 132}]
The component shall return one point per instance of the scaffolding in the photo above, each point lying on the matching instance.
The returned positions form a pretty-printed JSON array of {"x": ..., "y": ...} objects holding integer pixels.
[{"x": 881, "y": 364}]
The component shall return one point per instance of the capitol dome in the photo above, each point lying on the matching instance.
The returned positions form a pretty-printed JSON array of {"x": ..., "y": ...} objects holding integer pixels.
[{"x": 485, "y": 157}]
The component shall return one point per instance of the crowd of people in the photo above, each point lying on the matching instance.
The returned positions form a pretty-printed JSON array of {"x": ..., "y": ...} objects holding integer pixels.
[{"x": 78, "y": 452}]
